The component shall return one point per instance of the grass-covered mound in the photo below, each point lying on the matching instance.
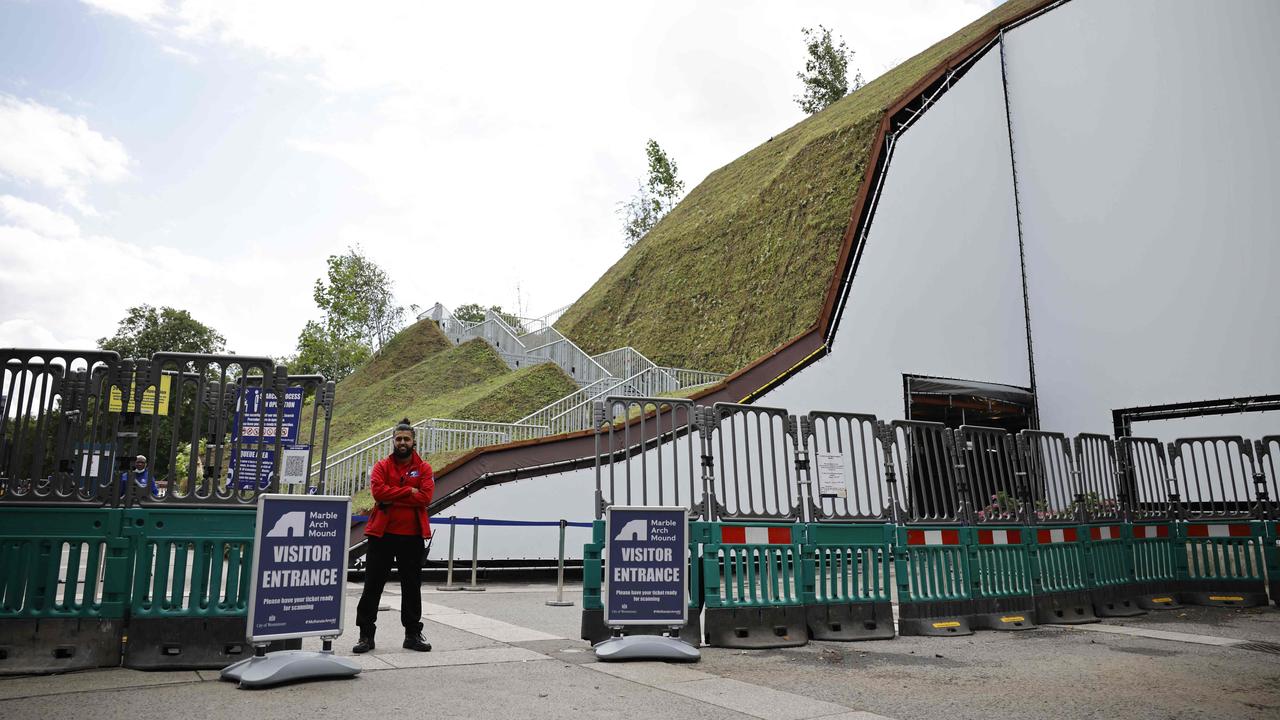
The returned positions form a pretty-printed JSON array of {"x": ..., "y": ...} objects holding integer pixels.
[{"x": 743, "y": 263}]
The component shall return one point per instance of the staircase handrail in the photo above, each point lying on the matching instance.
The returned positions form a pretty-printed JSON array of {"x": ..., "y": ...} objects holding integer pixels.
[
  {"x": 693, "y": 378},
  {"x": 572, "y": 344}
]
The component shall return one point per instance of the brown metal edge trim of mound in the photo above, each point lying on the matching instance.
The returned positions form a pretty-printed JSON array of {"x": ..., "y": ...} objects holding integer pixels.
[{"x": 570, "y": 451}]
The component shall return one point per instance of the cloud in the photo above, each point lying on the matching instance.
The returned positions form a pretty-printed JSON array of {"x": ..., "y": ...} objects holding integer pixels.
[
  {"x": 141, "y": 11},
  {"x": 42, "y": 145},
  {"x": 62, "y": 288},
  {"x": 490, "y": 143},
  {"x": 181, "y": 54},
  {"x": 37, "y": 218}
]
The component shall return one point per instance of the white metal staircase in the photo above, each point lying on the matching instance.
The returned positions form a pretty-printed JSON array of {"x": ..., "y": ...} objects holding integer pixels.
[{"x": 521, "y": 342}]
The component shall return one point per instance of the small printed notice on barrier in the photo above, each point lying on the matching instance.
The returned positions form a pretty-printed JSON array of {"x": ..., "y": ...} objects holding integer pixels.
[
  {"x": 115, "y": 398},
  {"x": 647, "y": 561},
  {"x": 831, "y": 475},
  {"x": 299, "y": 579},
  {"x": 252, "y": 468}
]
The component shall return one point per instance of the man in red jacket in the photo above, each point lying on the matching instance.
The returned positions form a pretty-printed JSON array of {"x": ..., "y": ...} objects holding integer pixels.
[{"x": 402, "y": 486}]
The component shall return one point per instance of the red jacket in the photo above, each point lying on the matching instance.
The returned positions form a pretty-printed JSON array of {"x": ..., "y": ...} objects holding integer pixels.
[{"x": 392, "y": 484}]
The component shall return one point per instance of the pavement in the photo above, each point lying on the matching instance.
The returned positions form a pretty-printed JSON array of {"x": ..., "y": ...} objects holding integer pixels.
[{"x": 505, "y": 653}]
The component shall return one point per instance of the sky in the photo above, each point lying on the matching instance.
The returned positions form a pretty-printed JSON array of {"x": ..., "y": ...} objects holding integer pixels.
[{"x": 209, "y": 155}]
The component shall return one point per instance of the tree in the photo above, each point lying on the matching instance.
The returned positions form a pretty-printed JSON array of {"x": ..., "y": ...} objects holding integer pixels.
[
  {"x": 360, "y": 316},
  {"x": 825, "y": 75},
  {"x": 358, "y": 299},
  {"x": 472, "y": 313},
  {"x": 145, "y": 331},
  {"x": 654, "y": 198},
  {"x": 323, "y": 350}
]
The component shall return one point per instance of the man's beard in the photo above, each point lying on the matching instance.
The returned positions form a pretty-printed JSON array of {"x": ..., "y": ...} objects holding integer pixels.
[{"x": 402, "y": 452}]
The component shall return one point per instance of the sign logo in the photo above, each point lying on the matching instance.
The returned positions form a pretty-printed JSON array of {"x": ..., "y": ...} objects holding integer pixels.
[
  {"x": 635, "y": 531},
  {"x": 290, "y": 524}
]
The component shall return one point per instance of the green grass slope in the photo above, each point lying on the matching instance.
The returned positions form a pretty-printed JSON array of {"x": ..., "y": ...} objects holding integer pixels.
[
  {"x": 469, "y": 381},
  {"x": 409, "y": 347},
  {"x": 743, "y": 263},
  {"x": 520, "y": 393},
  {"x": 414, "y": 391}
]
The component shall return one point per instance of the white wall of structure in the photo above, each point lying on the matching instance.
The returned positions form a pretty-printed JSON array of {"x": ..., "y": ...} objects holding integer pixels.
[
  {"x": 938, "y": 290},
  {"x": 1148, "y": 173},
  {"x": 650, "y": 476},
  {"x": 564, "y": 496}
]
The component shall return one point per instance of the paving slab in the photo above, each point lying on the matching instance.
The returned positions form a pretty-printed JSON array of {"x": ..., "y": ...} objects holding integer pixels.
[
  {"x": 524, "y": 606},
  {"x": 90, "y": 681},
  {"x": 463, "y": 657},
  {"x": 650, "y": 673},
  {"x": 754, "y": 700},
  {"x": 491, "y": 628}
]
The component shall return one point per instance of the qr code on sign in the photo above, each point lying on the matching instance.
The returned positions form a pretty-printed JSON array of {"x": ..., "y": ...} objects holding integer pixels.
[{"x": 295, "y": 467}]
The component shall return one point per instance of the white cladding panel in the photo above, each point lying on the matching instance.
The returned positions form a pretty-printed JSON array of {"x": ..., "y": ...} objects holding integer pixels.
[
  {"x": 565, "y": 496},
  {"x": 938, "y": 290},
  {"x": 643, "y": 479},
  {"x": 1148, "y": 171}
]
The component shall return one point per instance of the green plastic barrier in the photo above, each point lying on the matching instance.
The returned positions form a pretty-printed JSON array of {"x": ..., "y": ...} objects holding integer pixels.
[
  {"x": 190, "y": 589},
  {"x": 935, "y": 581},
  {"x": 593, "y": 628},
  {"x": 64, "y": 578},
  {"x": 1224, "y": 563},
  {"x": 1272, "y": 556},
  {"x": 847, "y": 592},
  {"x": 753, "y": 577},
  {"x": 1159, "y": 563},
  {"x": 1002, "y": 564},
  {"x": 1060, "y": 576},
  {"x": 1113, "y": 586}
]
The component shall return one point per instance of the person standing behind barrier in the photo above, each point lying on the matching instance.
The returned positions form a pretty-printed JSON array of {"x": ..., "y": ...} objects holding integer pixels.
[
  {"x": 141, "y": 475},
  {"x": 402, "y": 486}
]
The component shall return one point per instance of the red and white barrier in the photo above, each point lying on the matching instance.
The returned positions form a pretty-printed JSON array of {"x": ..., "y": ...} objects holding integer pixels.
[
  {"x": 933, "y": 537},
  {"x": 999, "y": 537},
  {"x": 744, "y": 535},
  {"x": 1105, "y": 532},
  {"x": 1219, "y": 531},
  {"x": 1056, "y": 535}
]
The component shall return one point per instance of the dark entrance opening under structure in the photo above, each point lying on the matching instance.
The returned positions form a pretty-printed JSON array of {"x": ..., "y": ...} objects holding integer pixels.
[
  {"x": 954, "y": 403},
  {"x": 968, "y": 402}
]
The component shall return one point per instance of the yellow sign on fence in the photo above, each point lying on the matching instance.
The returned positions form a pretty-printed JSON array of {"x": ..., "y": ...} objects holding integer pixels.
[{"x": 115, "y": 404}]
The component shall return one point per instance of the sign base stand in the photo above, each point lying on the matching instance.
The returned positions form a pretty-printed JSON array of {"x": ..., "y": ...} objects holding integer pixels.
[
  {"x": 289, "y": 666},
  {"x": 646, "y": 647}
]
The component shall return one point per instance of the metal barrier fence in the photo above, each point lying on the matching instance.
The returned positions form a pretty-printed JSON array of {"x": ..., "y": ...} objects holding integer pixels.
[
  {"x": 127, "y": 490},
  {"x": 652, "y": 461},
  {"x": 807, "y": 525}
]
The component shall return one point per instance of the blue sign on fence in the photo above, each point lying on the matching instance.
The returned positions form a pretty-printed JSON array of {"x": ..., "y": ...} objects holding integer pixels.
[
  {"x": 251, "y": 469},
  {"x": 299, "y": 566},
  {"x": 257, "y": 414},
  {"x": 648, "y": 563}
]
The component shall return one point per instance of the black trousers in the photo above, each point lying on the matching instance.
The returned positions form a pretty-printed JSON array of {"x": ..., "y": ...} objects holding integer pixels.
[{"x": 405, "y": 552}]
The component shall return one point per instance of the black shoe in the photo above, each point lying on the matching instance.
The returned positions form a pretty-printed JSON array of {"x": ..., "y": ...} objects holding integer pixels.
[
  {"x": 364, "y": 645},
  {"x": 416, "y": 642}
]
